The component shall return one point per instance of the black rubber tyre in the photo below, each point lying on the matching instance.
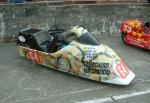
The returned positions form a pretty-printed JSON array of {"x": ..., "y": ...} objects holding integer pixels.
[{"x": 123, "y": 37}]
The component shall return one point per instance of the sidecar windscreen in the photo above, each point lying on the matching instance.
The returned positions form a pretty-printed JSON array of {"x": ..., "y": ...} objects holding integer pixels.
[{"x": 88, "y": 39}]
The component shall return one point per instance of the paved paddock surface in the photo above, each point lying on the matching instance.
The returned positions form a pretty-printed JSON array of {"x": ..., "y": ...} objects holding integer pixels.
[{"x": 22, "y": 81}]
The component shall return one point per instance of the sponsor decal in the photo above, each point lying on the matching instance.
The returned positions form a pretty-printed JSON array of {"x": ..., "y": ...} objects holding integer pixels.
[
  {"x": 96, "y": 64},
  {"x": 90, "y": 52},
  {"x": 135, "y": 41},
  {"x": 122, "y": 70},
  {"x": 97, "y": 68},
  {"x": 103, "y": 71},
  {"x": 32, "y": 55}
]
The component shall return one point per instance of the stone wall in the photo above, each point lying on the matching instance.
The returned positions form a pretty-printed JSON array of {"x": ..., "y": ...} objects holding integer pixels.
[
  {"x": 103, "y": 20},
  {"x": 103, "y": 1}
]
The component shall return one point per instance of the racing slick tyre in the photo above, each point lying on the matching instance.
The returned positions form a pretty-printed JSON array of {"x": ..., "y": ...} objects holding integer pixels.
[
  {"x": 123, "y": 36},
  {"x": 64, "y": 64}
]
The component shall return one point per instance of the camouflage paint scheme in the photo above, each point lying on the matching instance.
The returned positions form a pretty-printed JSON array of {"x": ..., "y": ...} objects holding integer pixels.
[
  {"x": 95, "y": 62},
  {"x": 135, "y": 33}
]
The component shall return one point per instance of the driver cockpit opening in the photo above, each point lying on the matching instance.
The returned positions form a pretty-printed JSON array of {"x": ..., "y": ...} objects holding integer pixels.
[
  {"x": 58, "y": 43},
  {"x": 147, "y": 27},
  {"x": 53, "y": 40},
  {"x": 147, "y": 24}
]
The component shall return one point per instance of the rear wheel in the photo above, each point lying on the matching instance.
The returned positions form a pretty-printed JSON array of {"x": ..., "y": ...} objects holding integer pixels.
[{"x": 124, "y": 39}]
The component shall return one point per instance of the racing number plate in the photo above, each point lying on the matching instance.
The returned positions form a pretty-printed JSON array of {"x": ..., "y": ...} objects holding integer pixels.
[
  {"x": 127, "y": 28},
  {"x": 122, "y": 70}
]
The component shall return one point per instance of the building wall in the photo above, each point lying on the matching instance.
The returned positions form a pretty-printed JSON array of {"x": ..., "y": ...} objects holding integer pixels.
[
  {"x": 103, "y": 1},
  {"x": 103, "y": 20}
]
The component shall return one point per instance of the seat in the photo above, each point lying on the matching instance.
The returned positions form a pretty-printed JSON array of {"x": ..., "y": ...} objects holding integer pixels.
[
  {"x": 58, "y": 42},
  {"x": 43, "y": 40},
  {"x": 147, "y": 28}
]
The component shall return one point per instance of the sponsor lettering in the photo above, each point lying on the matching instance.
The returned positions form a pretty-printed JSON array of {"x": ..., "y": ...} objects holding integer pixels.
[
  {"x": 96, "y": 64},
  {"x": 90, "y": 52},
  {"x": 97, "y": 68},
  {"x": 97, "y": 71},
  {"x": 32, "y": 55}
]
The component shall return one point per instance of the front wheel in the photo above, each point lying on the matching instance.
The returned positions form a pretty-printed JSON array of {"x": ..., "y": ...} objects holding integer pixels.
[{"x": 124, "y": 39}]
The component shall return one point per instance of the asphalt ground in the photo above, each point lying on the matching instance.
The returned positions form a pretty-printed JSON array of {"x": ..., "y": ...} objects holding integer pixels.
[{"x": 22, "y": 81}]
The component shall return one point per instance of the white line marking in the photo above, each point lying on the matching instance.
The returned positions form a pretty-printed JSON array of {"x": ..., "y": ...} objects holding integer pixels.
[
  {"x": 80, "y": 91},
  {"x": 132, "y": 94},
  {"x": 102, "y": 100},
  {"x": 62, "y": 94}
]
